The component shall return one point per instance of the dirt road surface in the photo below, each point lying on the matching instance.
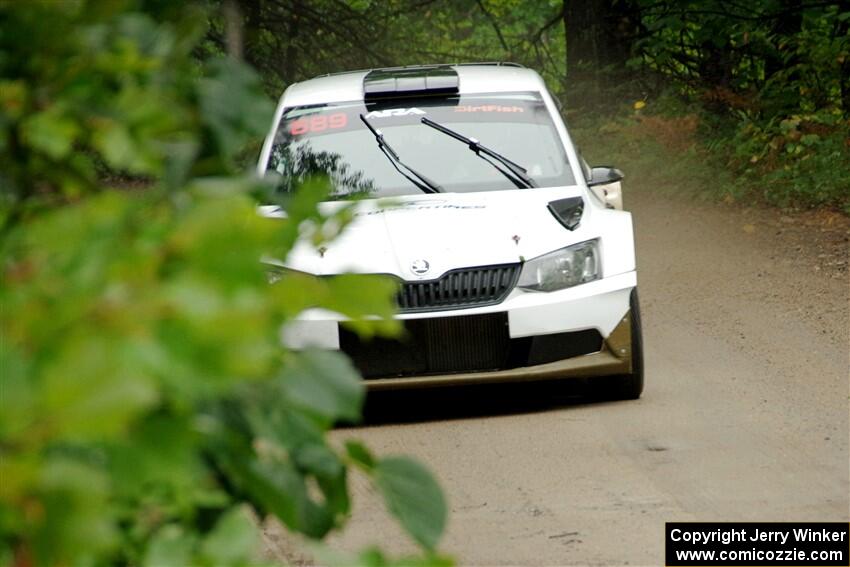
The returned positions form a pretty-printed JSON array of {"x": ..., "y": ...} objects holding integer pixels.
[{"x": 744, "y": 416}]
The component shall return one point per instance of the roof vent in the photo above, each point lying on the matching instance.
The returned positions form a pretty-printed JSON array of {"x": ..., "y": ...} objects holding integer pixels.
[{"x": 410, "y": 81}]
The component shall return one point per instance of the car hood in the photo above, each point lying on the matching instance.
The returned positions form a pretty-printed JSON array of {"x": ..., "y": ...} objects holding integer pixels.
[{"x": 403, "y": 235}]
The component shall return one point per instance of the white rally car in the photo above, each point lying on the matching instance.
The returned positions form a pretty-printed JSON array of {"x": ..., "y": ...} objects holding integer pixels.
[{"x": 513, "y": 257}]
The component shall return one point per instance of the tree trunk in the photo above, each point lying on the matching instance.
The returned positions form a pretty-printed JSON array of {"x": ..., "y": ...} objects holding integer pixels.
[
  {"x": 252, "y": 9},
  {"x": 789, "y": 23},
  {"x": 778, "y": 99},
  {"x": 621, "y": 24},
  {"x": 843, "y": 29},
  {"x": 233, "y": 28},
  {"x": 288, "y": 65},
  {"x": 599, "y": 36},
  {"x": 715, "y": 66},
  {"x": 582, "y": 20}
]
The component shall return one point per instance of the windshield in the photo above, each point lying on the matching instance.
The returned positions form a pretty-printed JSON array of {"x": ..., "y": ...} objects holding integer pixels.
[{"x": 332, "y": 139}]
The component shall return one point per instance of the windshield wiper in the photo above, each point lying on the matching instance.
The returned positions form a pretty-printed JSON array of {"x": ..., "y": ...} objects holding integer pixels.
[
  {"x": 516, "y": 173},
  {"x": 412, "y": 175}
]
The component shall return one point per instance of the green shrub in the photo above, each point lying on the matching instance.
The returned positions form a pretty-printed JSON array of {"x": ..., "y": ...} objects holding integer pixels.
[
  {"x": 148, "y": 413},
  {"x": 799, "y": 160}
]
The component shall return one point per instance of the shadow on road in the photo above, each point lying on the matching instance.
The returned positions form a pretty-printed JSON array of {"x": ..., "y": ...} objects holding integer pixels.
[{"x": 460, "y": 402}]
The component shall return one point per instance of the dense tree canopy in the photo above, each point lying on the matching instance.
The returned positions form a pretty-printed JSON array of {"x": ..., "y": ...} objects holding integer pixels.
[{"x": 725, "y": 46}]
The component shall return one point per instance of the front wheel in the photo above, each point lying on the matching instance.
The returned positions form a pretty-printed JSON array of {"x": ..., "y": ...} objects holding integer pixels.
[{"x": 626, "y": 386}]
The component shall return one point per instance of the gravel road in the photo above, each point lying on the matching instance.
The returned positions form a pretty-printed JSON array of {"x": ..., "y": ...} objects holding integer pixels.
[{"x": 744, "y": 416}]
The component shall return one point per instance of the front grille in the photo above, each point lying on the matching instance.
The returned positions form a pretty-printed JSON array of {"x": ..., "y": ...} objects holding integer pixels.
[
  {"x": 457, "y": 289},
  {"x": 469, "y": 343},
  {"x": 433, "y": 346}
]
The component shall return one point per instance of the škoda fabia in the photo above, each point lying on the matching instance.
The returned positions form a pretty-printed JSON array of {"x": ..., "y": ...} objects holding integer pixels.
[{"x": 513, "y": 256}]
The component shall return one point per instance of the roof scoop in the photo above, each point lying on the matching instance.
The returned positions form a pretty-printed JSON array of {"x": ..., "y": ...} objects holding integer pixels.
[
  {"x": 400, "y": 82},
  {"x": 568, "y": 211}
]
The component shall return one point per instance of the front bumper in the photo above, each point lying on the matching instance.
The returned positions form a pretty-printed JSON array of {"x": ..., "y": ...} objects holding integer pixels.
[
  {"x": 614, "y": 358},
  {"x": 601, "y": 306}
]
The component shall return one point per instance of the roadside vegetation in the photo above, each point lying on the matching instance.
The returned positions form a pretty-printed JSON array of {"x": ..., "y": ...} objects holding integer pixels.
[{"x": 148, "y": 415}]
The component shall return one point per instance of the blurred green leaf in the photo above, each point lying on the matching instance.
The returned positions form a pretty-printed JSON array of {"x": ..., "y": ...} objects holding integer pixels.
[
  {"x": 51, "y": 132},
  {"x": 170, "y": 546},
  {"x": 325, "y": 383},
  {"x": 116, "y": 144},
  {"x": 233, "y": 541},
  {"x": 228, "y": 89},
  {"x": 413, "y": 496},
  {"x": 276, "y": 487},
  {"x": 78, "y": 520},
  {"x": 360, "y": 454}
]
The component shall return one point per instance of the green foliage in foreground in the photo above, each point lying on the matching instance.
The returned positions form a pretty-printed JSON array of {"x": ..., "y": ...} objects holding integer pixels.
[
  {"x": 148, "y": 414},
  {"x": 145, "y": 396}
]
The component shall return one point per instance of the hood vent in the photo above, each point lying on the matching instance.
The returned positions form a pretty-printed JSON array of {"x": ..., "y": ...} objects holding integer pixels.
[{"x": 568, "y": 211}]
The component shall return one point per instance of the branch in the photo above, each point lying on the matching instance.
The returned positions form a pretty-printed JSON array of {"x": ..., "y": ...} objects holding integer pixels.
[
  {"x": 558, "y": 17},
  {"x": 495, "y": 26},
  {"x": 749, "y": 18}
]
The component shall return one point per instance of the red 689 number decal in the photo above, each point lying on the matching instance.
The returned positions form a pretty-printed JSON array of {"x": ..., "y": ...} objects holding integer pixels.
[{"x": 318, "y": 123}]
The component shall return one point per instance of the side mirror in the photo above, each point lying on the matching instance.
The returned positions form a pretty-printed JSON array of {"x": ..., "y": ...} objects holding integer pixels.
[
  {"x": 605, "y": 184},
  {"x": 603, "y": 175}
]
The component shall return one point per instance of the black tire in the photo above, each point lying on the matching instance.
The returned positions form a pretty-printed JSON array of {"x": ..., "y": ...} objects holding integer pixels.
[{"x": 626, "y": 386}]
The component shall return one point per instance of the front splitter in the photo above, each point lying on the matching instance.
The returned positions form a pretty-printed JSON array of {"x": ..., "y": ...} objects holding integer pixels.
[{"x": 614, "y": 358}]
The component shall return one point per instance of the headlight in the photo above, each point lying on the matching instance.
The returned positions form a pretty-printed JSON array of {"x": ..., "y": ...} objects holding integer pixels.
[{"x": 563, "y": 268}]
